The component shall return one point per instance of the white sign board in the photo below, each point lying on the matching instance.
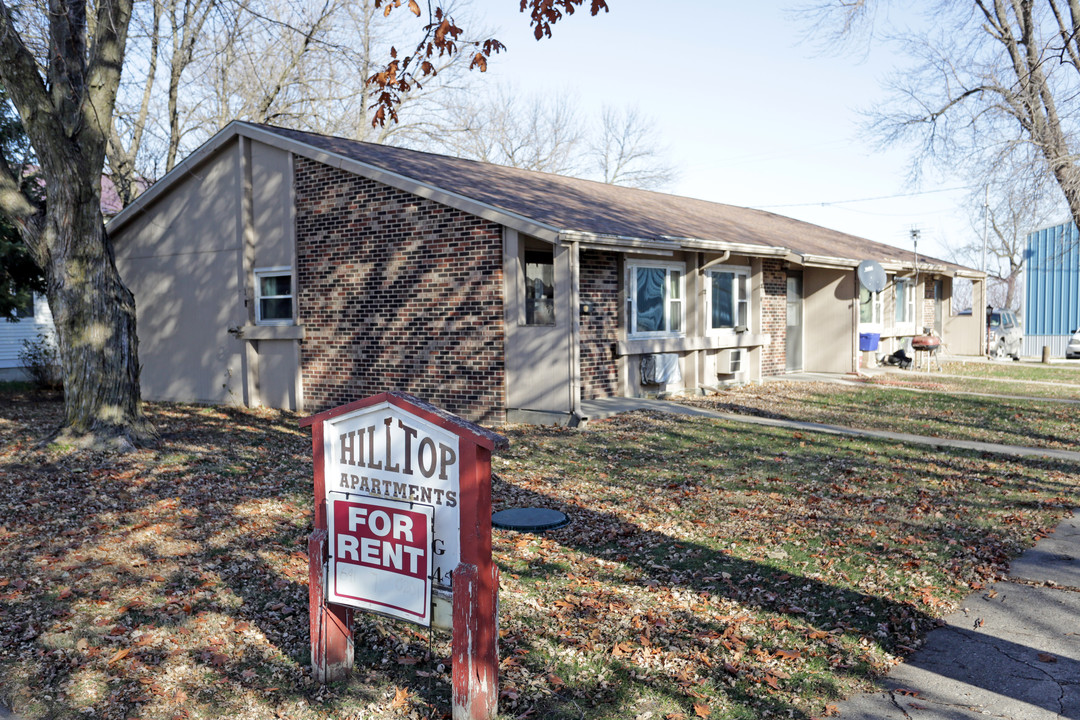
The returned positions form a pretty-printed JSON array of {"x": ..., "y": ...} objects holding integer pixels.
[
  {"x": 384, "y": 461},
  {"x": 381, "y": 557}
]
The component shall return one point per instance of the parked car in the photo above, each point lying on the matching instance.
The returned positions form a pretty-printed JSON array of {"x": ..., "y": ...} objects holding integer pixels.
[
  {"x": 1072, "y": 350},
  {"x": 1003, "y": 334}
]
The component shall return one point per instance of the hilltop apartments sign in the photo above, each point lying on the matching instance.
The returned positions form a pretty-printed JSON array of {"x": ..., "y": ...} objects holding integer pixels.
[
  {"x": 392, "y": 496},
  {"x": 402, "y": 519}
]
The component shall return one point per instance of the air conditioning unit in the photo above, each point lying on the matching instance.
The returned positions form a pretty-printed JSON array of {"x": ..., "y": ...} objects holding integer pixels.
[{"x": 730, "y": 362}]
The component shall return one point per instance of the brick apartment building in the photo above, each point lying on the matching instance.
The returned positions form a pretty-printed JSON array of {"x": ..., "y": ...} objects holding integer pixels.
[{"x": 281, "y": 268}]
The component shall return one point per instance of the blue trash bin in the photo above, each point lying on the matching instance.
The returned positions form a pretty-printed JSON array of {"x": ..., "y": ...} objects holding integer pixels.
[{"x": 869, "y": 341}]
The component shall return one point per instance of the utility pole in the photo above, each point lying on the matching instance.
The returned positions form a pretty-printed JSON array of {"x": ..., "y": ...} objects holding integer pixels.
[
  {"x": 915, "y": 232},
  {"x": 986, "y": 222}
]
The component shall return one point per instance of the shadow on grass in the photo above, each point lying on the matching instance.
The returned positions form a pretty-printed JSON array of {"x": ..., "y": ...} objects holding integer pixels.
[
  {"x": 145, "y": 584},
  {"x": 835, "y": 618}
]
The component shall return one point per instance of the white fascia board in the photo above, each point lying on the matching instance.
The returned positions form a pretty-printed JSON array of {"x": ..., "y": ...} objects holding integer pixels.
[
  {"x": 401, "y": 182},
  {"x": 824, "y": 261},
  {"x": 725, "y": 246},
  {"x": 617, "y": 243},
  {"x": 204, "y": 152}
]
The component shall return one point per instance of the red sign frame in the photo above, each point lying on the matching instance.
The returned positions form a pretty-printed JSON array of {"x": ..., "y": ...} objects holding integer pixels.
[{"x": 475, "y": 579}]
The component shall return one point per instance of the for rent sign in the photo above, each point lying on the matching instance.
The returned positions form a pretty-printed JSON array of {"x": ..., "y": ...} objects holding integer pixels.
[
  {"x": 393, "y": 499},
  {"x": 382, "y": 553}
]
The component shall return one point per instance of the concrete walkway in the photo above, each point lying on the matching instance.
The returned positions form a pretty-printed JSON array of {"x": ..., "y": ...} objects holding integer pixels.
[{"x": 1011, "y": 652}]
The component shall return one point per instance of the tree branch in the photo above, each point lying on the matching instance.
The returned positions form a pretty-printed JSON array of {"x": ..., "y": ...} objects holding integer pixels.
[
  {"x": 22, "y": 211},
  {"x": 23, "y": 82},
  {"x": 103, "y": 77}
]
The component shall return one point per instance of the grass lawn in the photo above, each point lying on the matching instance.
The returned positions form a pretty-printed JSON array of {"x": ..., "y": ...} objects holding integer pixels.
[
  {"x": 924, "y": 409},
  {"x": 1005, "y": 378},
  {"x": 1055, "y": 373},
  {"x": 712, "y": 569}
]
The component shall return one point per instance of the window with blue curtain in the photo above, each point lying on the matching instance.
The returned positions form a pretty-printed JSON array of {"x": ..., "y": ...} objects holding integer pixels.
[{"x": 654, "y": 302}]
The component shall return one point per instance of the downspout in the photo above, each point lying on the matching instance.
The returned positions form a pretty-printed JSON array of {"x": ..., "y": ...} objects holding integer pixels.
[
  {"x": 855, "y": 324},
  {"x": 716, "y": 261},
  {"x": 576, "y": 414}
]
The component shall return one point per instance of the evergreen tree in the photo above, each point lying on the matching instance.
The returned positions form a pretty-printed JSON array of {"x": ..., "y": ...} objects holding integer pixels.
[{"x": 20, "y": 276}]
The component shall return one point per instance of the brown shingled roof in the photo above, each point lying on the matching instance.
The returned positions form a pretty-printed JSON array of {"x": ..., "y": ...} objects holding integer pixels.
[{"x": 584, "y": 206}]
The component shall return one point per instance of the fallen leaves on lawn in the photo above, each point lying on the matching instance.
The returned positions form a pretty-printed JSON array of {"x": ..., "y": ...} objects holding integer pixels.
[{"x": 709, "y": 567}]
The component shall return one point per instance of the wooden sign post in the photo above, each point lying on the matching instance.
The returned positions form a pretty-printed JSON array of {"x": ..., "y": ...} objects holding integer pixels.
[{"x": 402, "y": 524}]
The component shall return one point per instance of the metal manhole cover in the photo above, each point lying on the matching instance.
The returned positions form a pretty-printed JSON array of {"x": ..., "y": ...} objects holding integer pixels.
[{"x": 529, "y": 519}]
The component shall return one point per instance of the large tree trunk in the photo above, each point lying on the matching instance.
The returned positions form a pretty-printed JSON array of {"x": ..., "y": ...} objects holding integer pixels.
[{"x": 94, "y": 314}]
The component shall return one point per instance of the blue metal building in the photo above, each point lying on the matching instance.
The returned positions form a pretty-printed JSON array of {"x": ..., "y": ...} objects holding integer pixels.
[{"x": 1051, "y": 288}]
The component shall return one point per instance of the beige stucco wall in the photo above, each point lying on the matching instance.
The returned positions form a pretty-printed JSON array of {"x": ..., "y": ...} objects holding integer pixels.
[
  {"x": 537, "y": 356},
  {"x": 827, "y": 315},
  {"x": 271, "y": 202},
  {"x": 966, "y": 334},
  {"x": 179, "y": 258},
  {"x": 189, "y": 257}
]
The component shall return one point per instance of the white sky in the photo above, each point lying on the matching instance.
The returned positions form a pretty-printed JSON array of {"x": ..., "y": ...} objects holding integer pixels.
[{"x": 752, "y": 115}]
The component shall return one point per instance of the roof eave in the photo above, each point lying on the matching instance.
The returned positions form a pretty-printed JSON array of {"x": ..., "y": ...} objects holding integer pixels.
[{"x": 401, "y": 182}]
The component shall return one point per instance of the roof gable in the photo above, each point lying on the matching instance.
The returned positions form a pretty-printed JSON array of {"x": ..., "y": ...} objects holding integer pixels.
[{"x": 554, "y": 206}]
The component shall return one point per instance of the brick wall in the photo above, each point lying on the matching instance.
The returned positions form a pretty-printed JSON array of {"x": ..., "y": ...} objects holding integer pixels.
[
  {"x": 927, "y": 319},
  {"x": 774, "y": 317},
  {"x": 599, "y": 286},
  {"x": 397, "y": 293}
]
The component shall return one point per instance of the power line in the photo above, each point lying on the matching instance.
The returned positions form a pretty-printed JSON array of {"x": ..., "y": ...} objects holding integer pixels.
[{"x": 861, "y": 200}]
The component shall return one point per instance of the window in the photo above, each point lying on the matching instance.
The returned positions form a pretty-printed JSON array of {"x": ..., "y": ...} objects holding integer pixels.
[
  {"x": 273, "y": 296},
  {"x": 654, "y": 299},
  {"x": 540, "y": 286},
  {"x": 870, "y": 307},
  {"x": 729, "y": 299},
  {"x": 905, "y": 301}
]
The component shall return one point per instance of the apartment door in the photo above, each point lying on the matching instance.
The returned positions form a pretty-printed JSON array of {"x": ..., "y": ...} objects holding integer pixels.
[{"x": 794, "y": 322}]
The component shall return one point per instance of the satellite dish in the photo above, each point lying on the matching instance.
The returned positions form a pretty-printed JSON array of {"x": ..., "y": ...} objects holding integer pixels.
[{"x": 871, "y": 275}]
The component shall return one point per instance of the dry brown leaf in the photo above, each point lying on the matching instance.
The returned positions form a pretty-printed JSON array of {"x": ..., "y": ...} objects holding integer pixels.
[
  {"x": 120, "y": 655},
  {"x": 401, "y": 698}
]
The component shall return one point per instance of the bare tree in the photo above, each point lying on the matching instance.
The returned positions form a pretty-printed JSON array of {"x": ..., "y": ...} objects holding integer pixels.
[
  {"x": 65, "y": 97},
  {"x": 540, "y": 132},
  {"x": 626, "y": 151},
  {"x": 196, "y": 65},
  {"x": 1012, "y": 202},
  {"x": 549, "y": 133},
  {"x": 990, "y": 79}
]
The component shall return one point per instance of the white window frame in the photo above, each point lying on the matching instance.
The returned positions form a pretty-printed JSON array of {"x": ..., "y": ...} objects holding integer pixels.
[
  {"x": 678, "y": 305},
  {"x": 738, "y": 361},
  {"x": 877, "y": 310},
  {"x": 737, "y": 271},
  {"x": 260, "y": 273},
  {"x": 908, "y": 302}
]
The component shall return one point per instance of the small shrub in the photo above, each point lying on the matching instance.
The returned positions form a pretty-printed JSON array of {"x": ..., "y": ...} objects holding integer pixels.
[{"x": 41, "y": 359}]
